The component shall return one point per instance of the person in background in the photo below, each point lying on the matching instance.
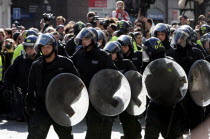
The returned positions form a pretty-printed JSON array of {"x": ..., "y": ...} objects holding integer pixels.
[
  {"x": 119, "y": 13},
  {"x": 183, "y": 20},
  {"x": 60, "y": 20}
]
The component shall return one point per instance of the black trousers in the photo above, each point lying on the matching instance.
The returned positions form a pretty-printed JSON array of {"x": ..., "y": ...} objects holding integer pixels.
[
  {"x": 131, "y": 126},
  {"x": 158, "y": 119},
  {"x": 98, "y": 125},
  {"x": 40, "y": 122}
]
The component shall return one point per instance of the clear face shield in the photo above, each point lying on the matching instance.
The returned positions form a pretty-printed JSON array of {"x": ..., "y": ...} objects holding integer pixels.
[
  {"x": 112, "y": 47},
  {"x": 84, "y": 34},
  {"x": 179, "y": 38},
  {"x": 145, "y": 56},
  {"x": 206, "y": 44},
  {"x": 41, "y": 41}
]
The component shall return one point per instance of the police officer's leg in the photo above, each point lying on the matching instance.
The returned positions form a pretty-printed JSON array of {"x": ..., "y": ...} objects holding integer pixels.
[
  {"x": 153, "y": 123},
  {"x": 62, "y": 131},
  {"x": 98, "y": 126},
  {"x": 131, "y": 126},
  {"x": 39, "y": 124}
]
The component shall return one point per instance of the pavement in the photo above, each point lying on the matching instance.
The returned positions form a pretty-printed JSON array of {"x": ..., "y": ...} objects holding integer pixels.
[
  {"x": 10, "y": 129},
  {"x": 18, "y": 130}
]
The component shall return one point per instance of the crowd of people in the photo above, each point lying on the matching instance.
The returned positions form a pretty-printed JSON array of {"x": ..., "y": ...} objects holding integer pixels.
[{"x": 30, "y": 58}]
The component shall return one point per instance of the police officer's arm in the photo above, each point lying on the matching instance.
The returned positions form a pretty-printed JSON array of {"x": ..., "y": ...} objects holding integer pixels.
[
  {"x": 108, "y": 62},
  {"x": 131, "y": 65},
  {"x": 71, "y": 68},
  {"x": 29, "y": 98},
  {"x": 10, "y": 74}
]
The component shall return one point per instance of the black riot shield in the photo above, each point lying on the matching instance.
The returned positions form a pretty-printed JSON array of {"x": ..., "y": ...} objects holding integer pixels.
[
  {"x": 67, "y": 99},
  {"x": 137, "y": 104},
  {"x": 166, "y": 82},
  {"x": 109, "y": 92},
  {"x": 199, "y": 82}
]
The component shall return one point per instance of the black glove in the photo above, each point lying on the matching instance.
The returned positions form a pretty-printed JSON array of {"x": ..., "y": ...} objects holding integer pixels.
[
  {"x": 29, "y": 104},
  {"x": 8, "y": 95}
]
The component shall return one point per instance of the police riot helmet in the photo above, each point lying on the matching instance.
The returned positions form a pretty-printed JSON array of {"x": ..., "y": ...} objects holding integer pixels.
[
  {"x": 180, "y": 37},
  {"x": 89, "y": 33},
  {"x": 123, "y": 26},
  {"x": 152, "y": 47},
  {"x": 205, "y": 40},
  {"x": 161, "y": 27},
  {"x": 189, "y": 30},
  {"x": 114, "y": 47},
  {"x": 46, "y": 39},
  {"x": 126, "y": 40},
  {"x": 194, "y": 36},
  {"x": 78, "y": 27},
  {"x": 29, "y": 41},
  {"x": 102, "y": 36},
  {"x": 204, "y": 29}
]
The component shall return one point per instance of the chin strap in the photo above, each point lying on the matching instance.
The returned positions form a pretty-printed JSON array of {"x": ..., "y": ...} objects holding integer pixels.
[
  {"x": 49, "y": 55},
  {"x": 30, "y": 56}
]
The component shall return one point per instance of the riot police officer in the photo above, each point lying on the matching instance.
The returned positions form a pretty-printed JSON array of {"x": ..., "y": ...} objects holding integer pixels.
[
  {"x": 42, "y": 71},
  {"x": 130, "y": 123},
  {"x": 101, "y": 38},
  {"x": 162, "y": 32},
  {"x": 128, "y": 51},
  {"x": 19, "y": 50},
  {"x": 158, "y": 117},
  {"x": 122, "y": 29},
  {"x": 71, "y": 47},
  {"x": 185, "y": 55},
  {"x": 205, "y": 28},
  {"x": 89, "y": 60},
  {"x": 17, "y": 74}
]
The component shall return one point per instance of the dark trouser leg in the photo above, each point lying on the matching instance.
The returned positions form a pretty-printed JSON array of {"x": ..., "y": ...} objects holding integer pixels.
[
  {"x": 39, "y": 125},
  {"x": 153, "y": 125},
  {"x": 131, "y": 126},
  {"x": 98, "y": 126},
  {"x": 62, "y": 131}
]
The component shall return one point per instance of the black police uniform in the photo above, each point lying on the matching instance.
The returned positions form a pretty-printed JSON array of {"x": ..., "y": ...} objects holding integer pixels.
[
  {"x": 41, "y": 74},
  {"x": 167, "y": 45},
  {"x": 71, "y": 47},
  {"x": 158, "y": 117},
  {"x": 136, "y": 58},
  {"x": 130, "y": 123},
  {"x": 88, "y": 64},
  {"x": 185, "y": 57},
  {"x": 61, "y": 49},
  {"x": 17, "y": 74}
]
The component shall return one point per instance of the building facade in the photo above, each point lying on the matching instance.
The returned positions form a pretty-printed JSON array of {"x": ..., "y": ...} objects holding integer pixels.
[{"x": 5, "y": 13}]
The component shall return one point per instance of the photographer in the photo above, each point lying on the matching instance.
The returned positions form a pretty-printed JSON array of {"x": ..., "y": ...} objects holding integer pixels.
[
  {"x": 45, "y": 21},
  {"x": 91, "y": 18},
  {"x": 7, "y": 51}
]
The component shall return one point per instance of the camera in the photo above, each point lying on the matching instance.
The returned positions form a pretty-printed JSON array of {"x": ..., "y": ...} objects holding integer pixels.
[
  {"x": 8, "y": 45},
  {"x": 48, "y": 16},
  {"x": 95, "y": 18}
]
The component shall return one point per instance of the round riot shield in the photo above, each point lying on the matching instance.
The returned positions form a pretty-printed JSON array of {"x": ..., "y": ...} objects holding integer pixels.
[
  {"x": 67, "y": 99},
  {"x": 109, "y": 92},
  {"x": 199, "y": 82},
  {"x": 137, "y": 103},
  {"x": 165, "y": 81}
]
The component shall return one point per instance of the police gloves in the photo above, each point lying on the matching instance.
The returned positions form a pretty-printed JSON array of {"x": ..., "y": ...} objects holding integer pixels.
[{"x": 29, "y": 103}]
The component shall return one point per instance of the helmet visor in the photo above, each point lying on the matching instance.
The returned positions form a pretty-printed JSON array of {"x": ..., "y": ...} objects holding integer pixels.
[
  {"x": 42, "y": 40},
  {"x": 84, "y": 33},
  {"x": 145, "y": 56},
  {"x": 179, "y": 38},
  {"x": 112, "y": 47}
]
